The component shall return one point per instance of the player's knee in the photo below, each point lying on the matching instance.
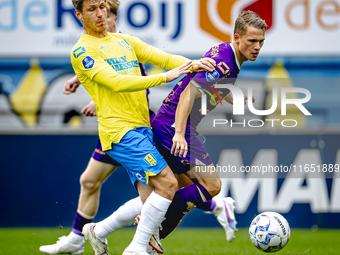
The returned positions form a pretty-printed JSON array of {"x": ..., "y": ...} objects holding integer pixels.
[
  {"x": 170, "y": 188},
  {"x": 89, "y": 184},
  {"x": 214, "y": 187}
]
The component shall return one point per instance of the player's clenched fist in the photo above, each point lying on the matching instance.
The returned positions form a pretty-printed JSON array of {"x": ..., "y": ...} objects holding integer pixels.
[{"x": 71, "y": 85}]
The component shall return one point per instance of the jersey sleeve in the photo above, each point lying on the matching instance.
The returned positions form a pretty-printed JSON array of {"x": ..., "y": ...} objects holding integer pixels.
[
  {"x": 86, "y": 63},
  {"x": 149, "y": 54},
  {"x": 88, "y": 67},
  {"x": 206, "y": 81}
]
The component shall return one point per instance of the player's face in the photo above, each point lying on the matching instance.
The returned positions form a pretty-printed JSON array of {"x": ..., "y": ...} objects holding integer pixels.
[
  {"x": 111, "y": 22},
  {"x": 251, "y": 43},
  {"x": 94, "y": 16}
]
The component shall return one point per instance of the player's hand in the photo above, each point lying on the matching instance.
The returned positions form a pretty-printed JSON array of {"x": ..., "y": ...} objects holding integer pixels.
[
  {"x": 229, "y": 98},
  {"x": 246, "y": 98},
  {"x": 177, "y": 72},
  {"x": 179, "y": 146},
  {"x": 89, "y": 110},
  {"x": 71, "y": 85},
  {"x": 204, "y": 65}
]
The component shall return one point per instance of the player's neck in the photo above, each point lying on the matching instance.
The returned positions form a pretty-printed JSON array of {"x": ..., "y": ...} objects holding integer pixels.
[
  {"x": 239, "y": 55},
  {"x": 95, "y": 34}
]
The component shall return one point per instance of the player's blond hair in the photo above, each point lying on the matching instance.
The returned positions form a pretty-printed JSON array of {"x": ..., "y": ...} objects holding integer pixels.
[
  {"x": 249, "y": 18},
  {"x": 112, "y": 6}
]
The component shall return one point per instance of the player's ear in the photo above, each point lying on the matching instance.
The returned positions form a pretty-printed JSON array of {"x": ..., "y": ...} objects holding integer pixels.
[
  {"x": 78, "y": 15},
  {"x": 236, "y": 38}
]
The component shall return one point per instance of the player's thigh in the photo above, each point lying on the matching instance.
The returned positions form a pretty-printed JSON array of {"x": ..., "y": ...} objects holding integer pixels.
[
  {"x": 184, "y": 180},
  {"x": 208, "y": 177},
  {"x": 164, "y": 180},
  {"x": 97, "y": 171},
  {"x": 137, "y": 153},
  {"x": 200, "y": 172}
]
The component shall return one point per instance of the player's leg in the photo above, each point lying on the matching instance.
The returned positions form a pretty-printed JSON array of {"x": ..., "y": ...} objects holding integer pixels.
[
  {"x": 199, "y": 194},
  {"x": 124, "y": 216},
  {"x": 148, "y": 166},
  {"x": 222, "y": 208},
  {"x": 91, "y": 180}
]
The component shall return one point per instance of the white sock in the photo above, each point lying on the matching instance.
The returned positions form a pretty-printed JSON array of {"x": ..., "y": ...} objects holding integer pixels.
[
  {"x": 153, "y": 213},
  {"x": 123, "y": 217},
  {"x": 75, "y": 239}
]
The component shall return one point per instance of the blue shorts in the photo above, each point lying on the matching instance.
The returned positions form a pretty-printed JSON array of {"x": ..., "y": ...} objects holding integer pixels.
[
  {"x": 137, "y": 153},
  {"x": 197, "y": 154},
  {"x": 101, "y": 156}
]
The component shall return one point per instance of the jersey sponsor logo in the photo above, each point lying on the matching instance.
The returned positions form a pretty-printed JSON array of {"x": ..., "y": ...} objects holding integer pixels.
[
  {"x": 223, "y": 67},
  {"x": 212, "y": 76},
  {"x": 124, "y": 44},
  {"x": 100, "y": 152},
  {"x": 217, "y": 17},
  {"x": 120, "y": 64},
  {"x": 79, "y": 51},
  {"x": 150, "y": 159},
  {"x": 88, "y": 62}
]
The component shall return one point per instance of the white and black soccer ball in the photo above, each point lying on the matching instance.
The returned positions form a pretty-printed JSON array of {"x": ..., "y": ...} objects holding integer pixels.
[{"x": 269, "y": 232}]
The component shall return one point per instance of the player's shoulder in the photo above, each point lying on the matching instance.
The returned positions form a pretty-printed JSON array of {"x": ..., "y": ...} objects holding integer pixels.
[
  {"x": 224, "y": 54},
  {"x": 81, "y": 48}
]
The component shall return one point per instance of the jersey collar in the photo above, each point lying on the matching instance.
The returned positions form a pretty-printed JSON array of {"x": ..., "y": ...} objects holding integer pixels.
[{"x": 236, "y": 60}]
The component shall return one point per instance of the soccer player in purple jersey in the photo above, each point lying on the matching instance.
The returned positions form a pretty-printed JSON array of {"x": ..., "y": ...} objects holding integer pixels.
[{"x": 174, "y": 126}]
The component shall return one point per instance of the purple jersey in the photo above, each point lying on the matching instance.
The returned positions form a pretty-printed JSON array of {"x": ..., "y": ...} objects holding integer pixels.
[{"x": 226, "y": 72}]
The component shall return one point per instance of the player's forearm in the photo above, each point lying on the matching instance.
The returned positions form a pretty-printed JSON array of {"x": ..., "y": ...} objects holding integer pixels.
[
  {"x": 183, "y": 111},
  {"x": 165, "y": 60},
  {"x": 127, "y": 83}
]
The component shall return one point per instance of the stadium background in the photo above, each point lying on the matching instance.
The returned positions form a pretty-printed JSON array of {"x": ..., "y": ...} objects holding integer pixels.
[{"x": 46, "y": 143}]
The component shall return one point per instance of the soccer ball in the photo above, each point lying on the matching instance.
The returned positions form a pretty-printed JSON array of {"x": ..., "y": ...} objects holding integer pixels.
[{"x": 269, "y": 232}]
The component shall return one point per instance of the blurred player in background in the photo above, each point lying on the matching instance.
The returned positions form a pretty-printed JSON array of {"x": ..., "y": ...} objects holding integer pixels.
[
  {"x": 175, "y": 125},
  {"x": 106, "y": 64},
  {"x": 98, "y": 169}
]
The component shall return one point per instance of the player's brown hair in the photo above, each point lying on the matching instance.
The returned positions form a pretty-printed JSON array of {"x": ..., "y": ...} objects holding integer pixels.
[
  {"x": 78, "y": 4},
  {"x": 113, "y": 6},
  {"x": 249, "y": 18}
]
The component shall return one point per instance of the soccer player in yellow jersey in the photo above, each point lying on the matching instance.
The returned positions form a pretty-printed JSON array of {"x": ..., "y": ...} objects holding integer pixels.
[{"x": 107, "y": 66}]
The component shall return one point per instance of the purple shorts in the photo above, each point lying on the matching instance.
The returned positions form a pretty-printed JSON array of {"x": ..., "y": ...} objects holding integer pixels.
[
  {"x": 101, "y": 156},
  {"x": 197, "y": 155}
]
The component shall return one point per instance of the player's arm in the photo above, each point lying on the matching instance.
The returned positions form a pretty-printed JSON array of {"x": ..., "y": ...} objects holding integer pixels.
[
  {"x": 186, "y": 101},
  {"x": 229, "y": 99},
  {"x": 149, "y": 54},
  {"x": 127, "y": 83}
]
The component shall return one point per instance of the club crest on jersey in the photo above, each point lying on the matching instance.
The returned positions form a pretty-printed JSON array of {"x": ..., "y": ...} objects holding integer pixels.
[
  {"x": 212, "y": 76},
  {"x": 150, "y": 159},
  {"x": 124, "y": 44},
  {"x": 79, "y": 51},
  {"x": 88, "y": 62}
]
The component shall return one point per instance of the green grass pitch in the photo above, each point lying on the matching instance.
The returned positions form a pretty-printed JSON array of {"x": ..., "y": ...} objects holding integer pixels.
[{"x": 26, "y": 241}]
